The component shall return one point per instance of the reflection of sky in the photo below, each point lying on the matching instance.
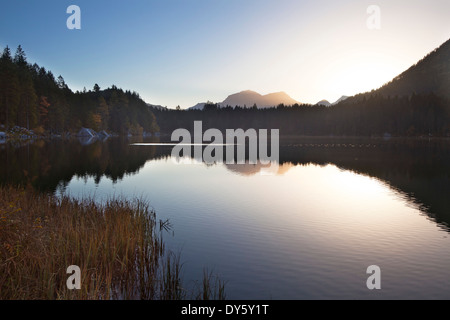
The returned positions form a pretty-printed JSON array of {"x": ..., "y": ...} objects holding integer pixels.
[{"x": 310, "y": 232}]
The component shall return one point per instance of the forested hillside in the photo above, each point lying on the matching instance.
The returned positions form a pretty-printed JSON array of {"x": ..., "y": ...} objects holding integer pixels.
[
  {"x": 31, "y": 97},
  {"x": 374, "y": 115},
  {"x": 429, "y": 75}
]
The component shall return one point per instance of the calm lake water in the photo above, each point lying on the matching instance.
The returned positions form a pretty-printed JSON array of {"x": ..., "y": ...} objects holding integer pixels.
[{"x": 334, "y": 207}]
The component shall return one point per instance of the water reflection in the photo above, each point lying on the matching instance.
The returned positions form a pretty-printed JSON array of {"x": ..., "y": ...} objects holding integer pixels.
[
  {"x": 332, "y": 208},
  {"x": 418, "y": 169}
]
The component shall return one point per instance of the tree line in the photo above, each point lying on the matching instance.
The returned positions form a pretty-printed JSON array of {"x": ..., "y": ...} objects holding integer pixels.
[
  {"x": 369, "y": 114},
  {"x": 31, "y": 97}
]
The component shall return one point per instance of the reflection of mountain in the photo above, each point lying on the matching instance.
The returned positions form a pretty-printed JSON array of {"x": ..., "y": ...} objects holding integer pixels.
[
  {"x": 251, "y": 169},
  {"x": 418, "y": 168}
]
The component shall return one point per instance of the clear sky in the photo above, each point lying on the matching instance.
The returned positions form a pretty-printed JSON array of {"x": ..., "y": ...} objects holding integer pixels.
[{"x": 181, "y": 52}]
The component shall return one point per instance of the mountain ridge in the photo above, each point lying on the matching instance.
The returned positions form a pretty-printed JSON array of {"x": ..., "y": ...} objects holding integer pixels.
[
  {"x": 430, "y": 75},
  {"x": 326, "y": 103},
  {"x": 248, "y": 98}
]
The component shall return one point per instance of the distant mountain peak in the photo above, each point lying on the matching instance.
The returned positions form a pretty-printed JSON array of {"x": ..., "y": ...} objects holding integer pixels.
[
  {"x": 198, "y": 106},
  {"x": 278, "y": 94},
  {"x": 249, "y": 98},
  {"x": 325, "y": 103},
  {"x": 341, "y": 99},
  {"x": 249, "y": 92}
]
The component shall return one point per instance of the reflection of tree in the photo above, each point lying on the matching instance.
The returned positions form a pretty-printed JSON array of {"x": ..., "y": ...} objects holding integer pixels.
[
  {"x": 418, "y": 168},
  {"x": 45, "y": 165}
]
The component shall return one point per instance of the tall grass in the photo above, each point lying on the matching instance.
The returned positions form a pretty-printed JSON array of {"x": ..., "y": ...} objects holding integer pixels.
[
  {"x": 118, "y": 246},
  {"x": 211, "y": 287}
]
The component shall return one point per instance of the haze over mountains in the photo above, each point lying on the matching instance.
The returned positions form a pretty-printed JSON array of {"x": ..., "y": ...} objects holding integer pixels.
[
  {"x": 248, "y": 98},
  {"x": 415, "y": 103},
  {"x": 429, "y": 75}
]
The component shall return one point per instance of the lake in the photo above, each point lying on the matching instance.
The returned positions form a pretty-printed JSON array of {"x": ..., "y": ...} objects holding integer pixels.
[{"x": 334, "y": 207}]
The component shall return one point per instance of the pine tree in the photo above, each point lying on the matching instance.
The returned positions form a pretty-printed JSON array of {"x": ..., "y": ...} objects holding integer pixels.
[
  {"x": 27, "y": 108},
  {"x": 20, "y": 58},
  {"x": 43, "y": 111},
  {"x": 103, "y": 111},
  {"x": 6, "y": 55},
  {"x": 61, "y": 83},
  {"x": 9, "y": 93}
]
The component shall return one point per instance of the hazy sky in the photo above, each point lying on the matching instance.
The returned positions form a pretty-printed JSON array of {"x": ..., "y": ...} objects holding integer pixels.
[{"x": 180, "y": 52}]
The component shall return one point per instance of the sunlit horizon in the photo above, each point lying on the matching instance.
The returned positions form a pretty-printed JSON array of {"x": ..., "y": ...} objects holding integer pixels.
[{"x": 186, "y": 52}]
